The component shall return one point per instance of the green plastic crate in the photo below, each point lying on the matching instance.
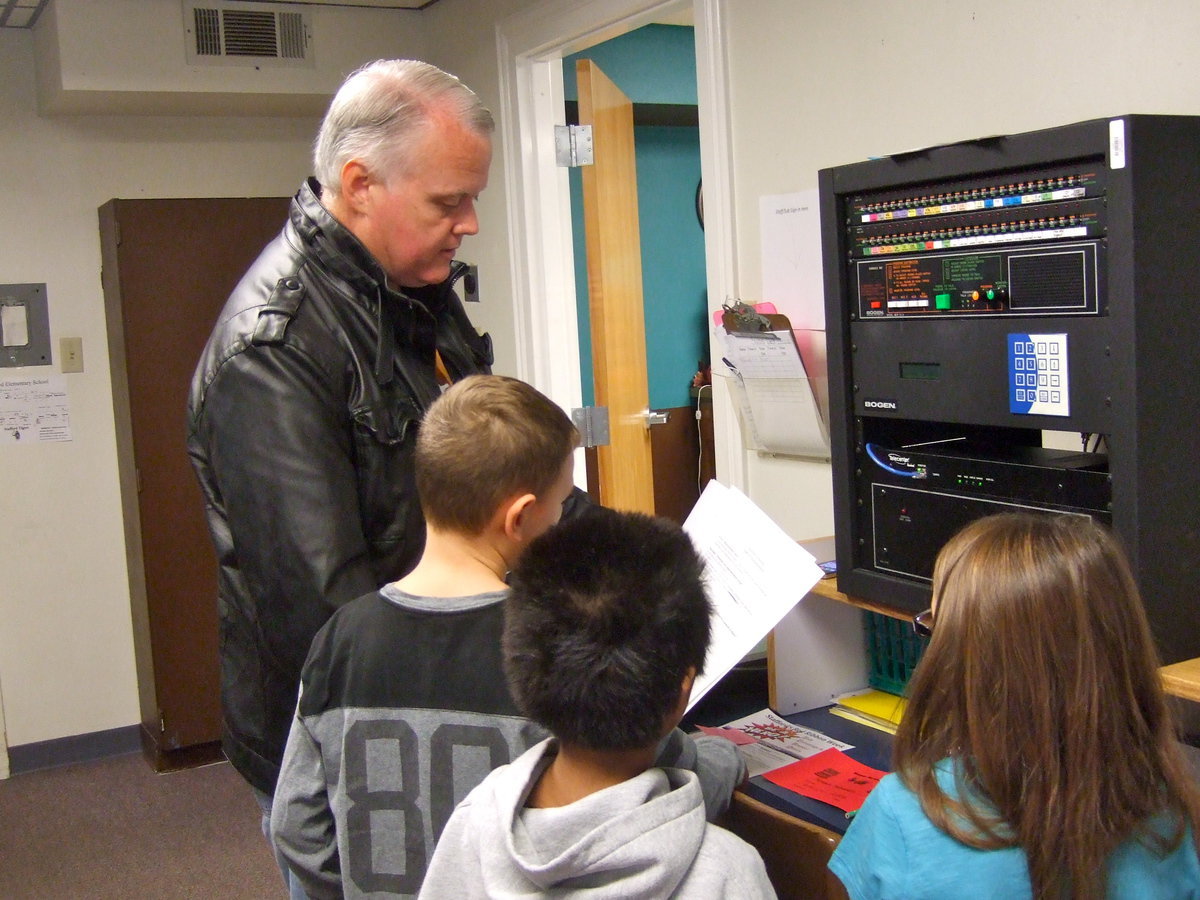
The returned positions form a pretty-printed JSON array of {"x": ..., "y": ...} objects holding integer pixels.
[{"x": 893, "y": 651}]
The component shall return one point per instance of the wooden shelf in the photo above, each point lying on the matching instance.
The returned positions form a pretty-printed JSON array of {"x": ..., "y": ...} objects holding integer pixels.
[
  {"x": 822, "y": 548},
  {"x": 1182, "y": 679},
  {"x": 827, "y": 587}
]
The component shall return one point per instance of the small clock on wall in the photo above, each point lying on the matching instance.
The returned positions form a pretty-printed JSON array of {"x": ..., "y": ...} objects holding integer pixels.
[{"x": 700, "y": 202}]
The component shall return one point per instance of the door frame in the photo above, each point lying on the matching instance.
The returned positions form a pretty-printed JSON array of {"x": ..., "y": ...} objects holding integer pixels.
[
  {"x": 530, "y": 47},
  {"x": 4, "y": 770}
]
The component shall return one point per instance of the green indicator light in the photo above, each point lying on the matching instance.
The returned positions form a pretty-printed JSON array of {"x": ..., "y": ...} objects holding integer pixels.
[
  {"x": 943, "y": 301},
  {"x": 991, "y": 295}
]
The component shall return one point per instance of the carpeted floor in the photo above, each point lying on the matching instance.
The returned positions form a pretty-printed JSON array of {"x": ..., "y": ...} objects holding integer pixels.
[{"x": 116, "y": 829}]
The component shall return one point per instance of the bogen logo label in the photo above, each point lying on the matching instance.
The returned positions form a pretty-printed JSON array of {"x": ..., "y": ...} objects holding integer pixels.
[{"x": 879, "y": 404}]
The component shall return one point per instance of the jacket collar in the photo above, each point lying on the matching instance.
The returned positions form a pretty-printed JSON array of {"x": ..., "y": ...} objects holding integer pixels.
[{"x": 338, "y": 249}]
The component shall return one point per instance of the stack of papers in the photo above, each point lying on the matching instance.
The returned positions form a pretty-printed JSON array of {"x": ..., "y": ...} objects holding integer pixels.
[
  {"x": 878, "y": 709},
  {"x": 768, "y": 741},
  {"x": 800, "y": 759}
]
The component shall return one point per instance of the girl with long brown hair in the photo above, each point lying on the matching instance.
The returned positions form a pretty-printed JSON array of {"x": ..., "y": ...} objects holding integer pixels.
[{"x": 1037, "y": 756}]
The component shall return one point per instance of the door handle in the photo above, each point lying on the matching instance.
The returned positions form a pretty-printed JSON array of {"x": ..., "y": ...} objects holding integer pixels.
[{"x": 656, "y": 417}]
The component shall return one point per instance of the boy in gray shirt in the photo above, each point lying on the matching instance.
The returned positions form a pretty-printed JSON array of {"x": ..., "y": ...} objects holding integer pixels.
[
  {"x": 606, "y": 628},
  {"x": 403, "y": 706}
]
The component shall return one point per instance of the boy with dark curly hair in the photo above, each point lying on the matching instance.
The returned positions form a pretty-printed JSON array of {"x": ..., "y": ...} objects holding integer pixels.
[{"x": 606, "y": 629}]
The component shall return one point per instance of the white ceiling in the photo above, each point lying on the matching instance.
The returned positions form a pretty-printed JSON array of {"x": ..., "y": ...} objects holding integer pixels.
[
  {"x": 374, "y": 4},
  {"x": 24, "y": 13}
]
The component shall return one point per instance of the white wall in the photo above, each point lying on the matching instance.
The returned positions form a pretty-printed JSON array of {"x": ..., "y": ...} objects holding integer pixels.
[
  {"x": 812, "y": 84},
  {"x": 818, "y": 84},
  {"x": 131, "y": 55},
  {"x": 66, "y": 647},
  {"x": 462, "y": 40}
]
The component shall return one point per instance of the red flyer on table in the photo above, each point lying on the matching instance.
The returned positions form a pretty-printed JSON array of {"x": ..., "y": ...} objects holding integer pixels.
[{"x": 830, "y": 776}]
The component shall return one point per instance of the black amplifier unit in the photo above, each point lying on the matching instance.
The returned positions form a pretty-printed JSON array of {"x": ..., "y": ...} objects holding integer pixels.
[{"x": 919, "y": 497}]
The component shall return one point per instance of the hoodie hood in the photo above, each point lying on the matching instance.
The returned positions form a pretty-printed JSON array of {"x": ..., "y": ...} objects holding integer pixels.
[{"x": 637, "y": 838}]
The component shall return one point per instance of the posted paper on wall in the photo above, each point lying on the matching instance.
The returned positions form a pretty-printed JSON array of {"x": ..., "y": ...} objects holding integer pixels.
[
  {"x": 792, "y": 276},
  {"x": 754, "y": 574},
  {"x": 33, "y": 409}
]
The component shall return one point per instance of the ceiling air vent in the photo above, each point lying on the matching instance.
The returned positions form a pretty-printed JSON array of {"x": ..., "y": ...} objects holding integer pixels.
[{"x": 246, "y": 34}]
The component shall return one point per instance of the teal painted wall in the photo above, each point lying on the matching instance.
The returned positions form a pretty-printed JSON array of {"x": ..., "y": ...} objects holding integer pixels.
[{"x": 655, "y": 64}]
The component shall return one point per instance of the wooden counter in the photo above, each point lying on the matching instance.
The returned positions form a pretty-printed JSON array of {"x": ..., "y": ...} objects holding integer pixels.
[{"x": 1182, "y": 679}]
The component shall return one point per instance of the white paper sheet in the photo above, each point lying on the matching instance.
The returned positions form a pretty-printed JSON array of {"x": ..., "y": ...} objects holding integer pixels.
[
  {"x": 769, "y": 728},
  {"x": 34, "y": 408},
  {"x": 767, "y": 741},
  {"x": 792, "y": 278},
  {"x": 754, "y": 574}
]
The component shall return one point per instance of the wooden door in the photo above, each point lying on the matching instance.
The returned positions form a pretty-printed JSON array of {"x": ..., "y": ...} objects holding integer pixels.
[
  {"x": 614, "y": 264},
  {"x": 168, "y": 267}
]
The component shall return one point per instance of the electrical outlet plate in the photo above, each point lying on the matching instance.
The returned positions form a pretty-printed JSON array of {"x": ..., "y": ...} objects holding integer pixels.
[{"x": 28, "y": 321}]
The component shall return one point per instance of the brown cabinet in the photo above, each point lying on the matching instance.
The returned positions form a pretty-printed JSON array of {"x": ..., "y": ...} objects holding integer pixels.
[{"x": 168, "y": 266}]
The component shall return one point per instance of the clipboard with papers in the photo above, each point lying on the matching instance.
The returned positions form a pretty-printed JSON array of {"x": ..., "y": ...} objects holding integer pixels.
[{"x": 777, "y": 400}]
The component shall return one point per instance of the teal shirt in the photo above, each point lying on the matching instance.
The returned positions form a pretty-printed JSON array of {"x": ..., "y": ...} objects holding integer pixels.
[{"x": 892, "y": 850}]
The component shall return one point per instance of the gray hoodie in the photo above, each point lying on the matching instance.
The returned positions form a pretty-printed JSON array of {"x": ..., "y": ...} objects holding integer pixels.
[{"x": 646, "y": 837}]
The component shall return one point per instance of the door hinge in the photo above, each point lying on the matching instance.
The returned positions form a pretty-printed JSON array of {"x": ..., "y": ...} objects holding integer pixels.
[
  {"x": 592, "y": 423},
  {"x": 573, "y": 145}
]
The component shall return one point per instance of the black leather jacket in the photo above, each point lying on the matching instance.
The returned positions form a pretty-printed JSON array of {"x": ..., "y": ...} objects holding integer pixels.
[{"x": 301, "y": 424}]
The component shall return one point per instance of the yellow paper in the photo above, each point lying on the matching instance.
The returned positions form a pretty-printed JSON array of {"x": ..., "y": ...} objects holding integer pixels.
[{"x": 877, "y": 704}]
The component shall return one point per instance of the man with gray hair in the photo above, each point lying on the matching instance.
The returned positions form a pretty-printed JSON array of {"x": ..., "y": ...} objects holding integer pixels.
[{"x": 305, "y": 402}]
